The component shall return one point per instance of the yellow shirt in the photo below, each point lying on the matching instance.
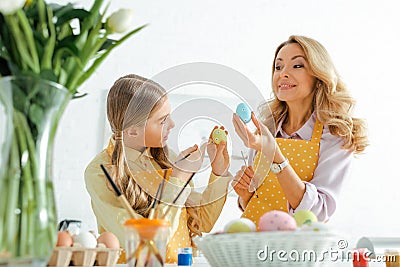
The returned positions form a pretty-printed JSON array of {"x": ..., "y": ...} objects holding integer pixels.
[{"x": 111, "y": 215}]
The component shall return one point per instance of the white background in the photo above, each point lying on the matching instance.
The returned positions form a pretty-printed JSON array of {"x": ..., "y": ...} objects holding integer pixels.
[{"x": 362, "y": 37}]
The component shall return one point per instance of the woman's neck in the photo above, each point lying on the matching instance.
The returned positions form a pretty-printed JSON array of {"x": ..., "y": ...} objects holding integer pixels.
[{"x": 295, "y": 119}]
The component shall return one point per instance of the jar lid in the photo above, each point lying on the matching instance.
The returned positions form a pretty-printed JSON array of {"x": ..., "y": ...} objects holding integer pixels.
[
  {"x": 185, "y": 257},
  {"x": 147, "y": 222}
]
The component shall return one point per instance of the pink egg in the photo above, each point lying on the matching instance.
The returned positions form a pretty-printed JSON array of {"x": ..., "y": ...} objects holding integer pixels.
[{"x": 276, "y": 220}]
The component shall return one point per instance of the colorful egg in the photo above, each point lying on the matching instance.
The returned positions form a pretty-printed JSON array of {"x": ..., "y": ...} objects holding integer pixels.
[
  {"x": 244, "y": 112},
  {"x": 304, "y": 217},
  {"x": 240, "y": 225},
  {"x": 218, "y": 135},
  {"x": 276, "y": 220}
]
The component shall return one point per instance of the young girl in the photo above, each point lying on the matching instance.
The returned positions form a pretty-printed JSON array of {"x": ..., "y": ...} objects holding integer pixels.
[
  {"x": 139, "y": 115},
  {"x": 315, "y": 138}
]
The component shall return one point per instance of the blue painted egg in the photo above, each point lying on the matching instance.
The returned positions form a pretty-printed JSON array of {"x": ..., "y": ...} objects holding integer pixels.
[
  {"x": 218, "y": 135},
  {"x": 244, "y": 112}
]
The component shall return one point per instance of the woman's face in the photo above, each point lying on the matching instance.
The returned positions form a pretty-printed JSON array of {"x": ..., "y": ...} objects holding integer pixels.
[
  {"x": 158, "y": 125},
  {"x": 292, "y": 81}
]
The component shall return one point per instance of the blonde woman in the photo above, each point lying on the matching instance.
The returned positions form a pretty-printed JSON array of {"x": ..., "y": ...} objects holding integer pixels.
[
  {"x": 302, "y": 164},
  {"x": 139, "y": 115}
]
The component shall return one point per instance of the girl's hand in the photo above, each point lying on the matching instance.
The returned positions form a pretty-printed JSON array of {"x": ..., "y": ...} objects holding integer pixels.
[
  {"x": 262, "y": 140},
  {"x": 186, "y": 165},
  {"x": 241, "y": 183},
  {"x": 219, "y": 156}
]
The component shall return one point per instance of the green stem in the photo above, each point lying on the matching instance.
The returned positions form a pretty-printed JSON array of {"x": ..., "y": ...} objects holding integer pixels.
[
  {"x": 12, "y": 217},
  {"x": 49, "y": 48},
  {"x": 20, "y": 44},
  {"x": 89, "y": 21},
  {"x": 27, "y": 199},
  {"x": 28, "y": 34},
  {"x": 4, "y": 186}
]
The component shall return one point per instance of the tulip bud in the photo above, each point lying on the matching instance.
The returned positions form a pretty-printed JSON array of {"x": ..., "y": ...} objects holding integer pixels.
[
  {"x": 120, "y": 21},
  {"x": 8, "y": 7}
]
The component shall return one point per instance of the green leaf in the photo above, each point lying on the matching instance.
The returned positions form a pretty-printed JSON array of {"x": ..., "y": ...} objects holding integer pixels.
[
  {"x": 78, "y": 95},
  {"x": 99, "y": 60},
  {"x": 64, "y": 31},
  {"x": 36, "y": 114},
  {"x": 70, "y": 15},
  {"x": 4, "y": 69},
  {"x": 107, "y": 44},
  {"x": 69, "y": 43},
  {"x": 19, "y": 99},
  {"x": 48, "y": 75}
]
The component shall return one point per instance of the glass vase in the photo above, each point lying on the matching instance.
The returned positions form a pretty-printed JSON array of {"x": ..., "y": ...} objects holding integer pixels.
[{"x": 30, "y": 110}]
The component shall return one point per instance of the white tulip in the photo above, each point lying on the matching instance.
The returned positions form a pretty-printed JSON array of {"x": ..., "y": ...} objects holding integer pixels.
[
  {"x": 120, "y": 21},
  {"x": 8, "y": 7}
]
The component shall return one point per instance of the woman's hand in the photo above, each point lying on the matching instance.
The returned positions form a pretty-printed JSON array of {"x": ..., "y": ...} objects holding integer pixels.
[
  {"x": 188, "y": 162},
  {"x": 262, "y": 140},
  {"x": 219, "y": 156},
  {"x": 241, "y": 183}
]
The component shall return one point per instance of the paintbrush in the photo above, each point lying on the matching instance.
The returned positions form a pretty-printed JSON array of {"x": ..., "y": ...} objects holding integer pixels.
[
  {"x": 153, "y": 207},
  {"x": 185, "y": 157},
  {"x": 120, "y": 196},
  {"x": 162, "y": 184},
  {"x": 179, "y": 194},
  {"x": 252, "y": 181}
]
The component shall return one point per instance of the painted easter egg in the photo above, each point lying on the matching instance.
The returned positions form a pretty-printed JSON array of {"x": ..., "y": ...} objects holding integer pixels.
[
  {"x": 304, "y": 217},
  {"x": 276, "y": 220},
  {"x": 244, "y": 112},
  {"x": 218, "y": 135},
  {"x": 240, "y": 225}
]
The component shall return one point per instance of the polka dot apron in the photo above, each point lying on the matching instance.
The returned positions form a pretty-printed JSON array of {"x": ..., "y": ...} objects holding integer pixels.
[
  {"x": 303, "y": 157},
  {"x": 180, "y": 239}
]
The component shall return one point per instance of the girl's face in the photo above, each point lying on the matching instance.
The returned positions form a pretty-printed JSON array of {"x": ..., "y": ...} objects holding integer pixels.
[
  {"x": 158, "y": 125},
  {"x": 291, "y": 80}
]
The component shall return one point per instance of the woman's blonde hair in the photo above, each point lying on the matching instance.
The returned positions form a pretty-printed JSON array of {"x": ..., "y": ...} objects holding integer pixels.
[
  {"x": 130, "y": 102},
  {"x": 332, "y": 101}
]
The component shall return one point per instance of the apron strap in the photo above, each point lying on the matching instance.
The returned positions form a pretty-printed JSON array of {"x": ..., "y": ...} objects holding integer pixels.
[{"x": 317, "y": 132}]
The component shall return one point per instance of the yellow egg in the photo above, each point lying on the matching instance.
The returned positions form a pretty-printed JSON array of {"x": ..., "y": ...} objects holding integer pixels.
[
  {"x": 304, "y": 217},
  {"x": 218, "y": 135},
  {"x": 240, "y": 225},
  {"x": 109, "y": 240}
]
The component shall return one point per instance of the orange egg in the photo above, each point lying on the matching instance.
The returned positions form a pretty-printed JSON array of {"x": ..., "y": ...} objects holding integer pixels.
[
  {"x": 108, "y": 239},
  {"x": 64, "y": 239}
]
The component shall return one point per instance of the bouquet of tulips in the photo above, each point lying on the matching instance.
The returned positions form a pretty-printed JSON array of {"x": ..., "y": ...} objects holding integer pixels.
[{"x": 62, "y": 44}]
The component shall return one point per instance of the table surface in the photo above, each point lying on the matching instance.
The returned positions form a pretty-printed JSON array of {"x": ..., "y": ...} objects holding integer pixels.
[{"x": 202, "y": 262}]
